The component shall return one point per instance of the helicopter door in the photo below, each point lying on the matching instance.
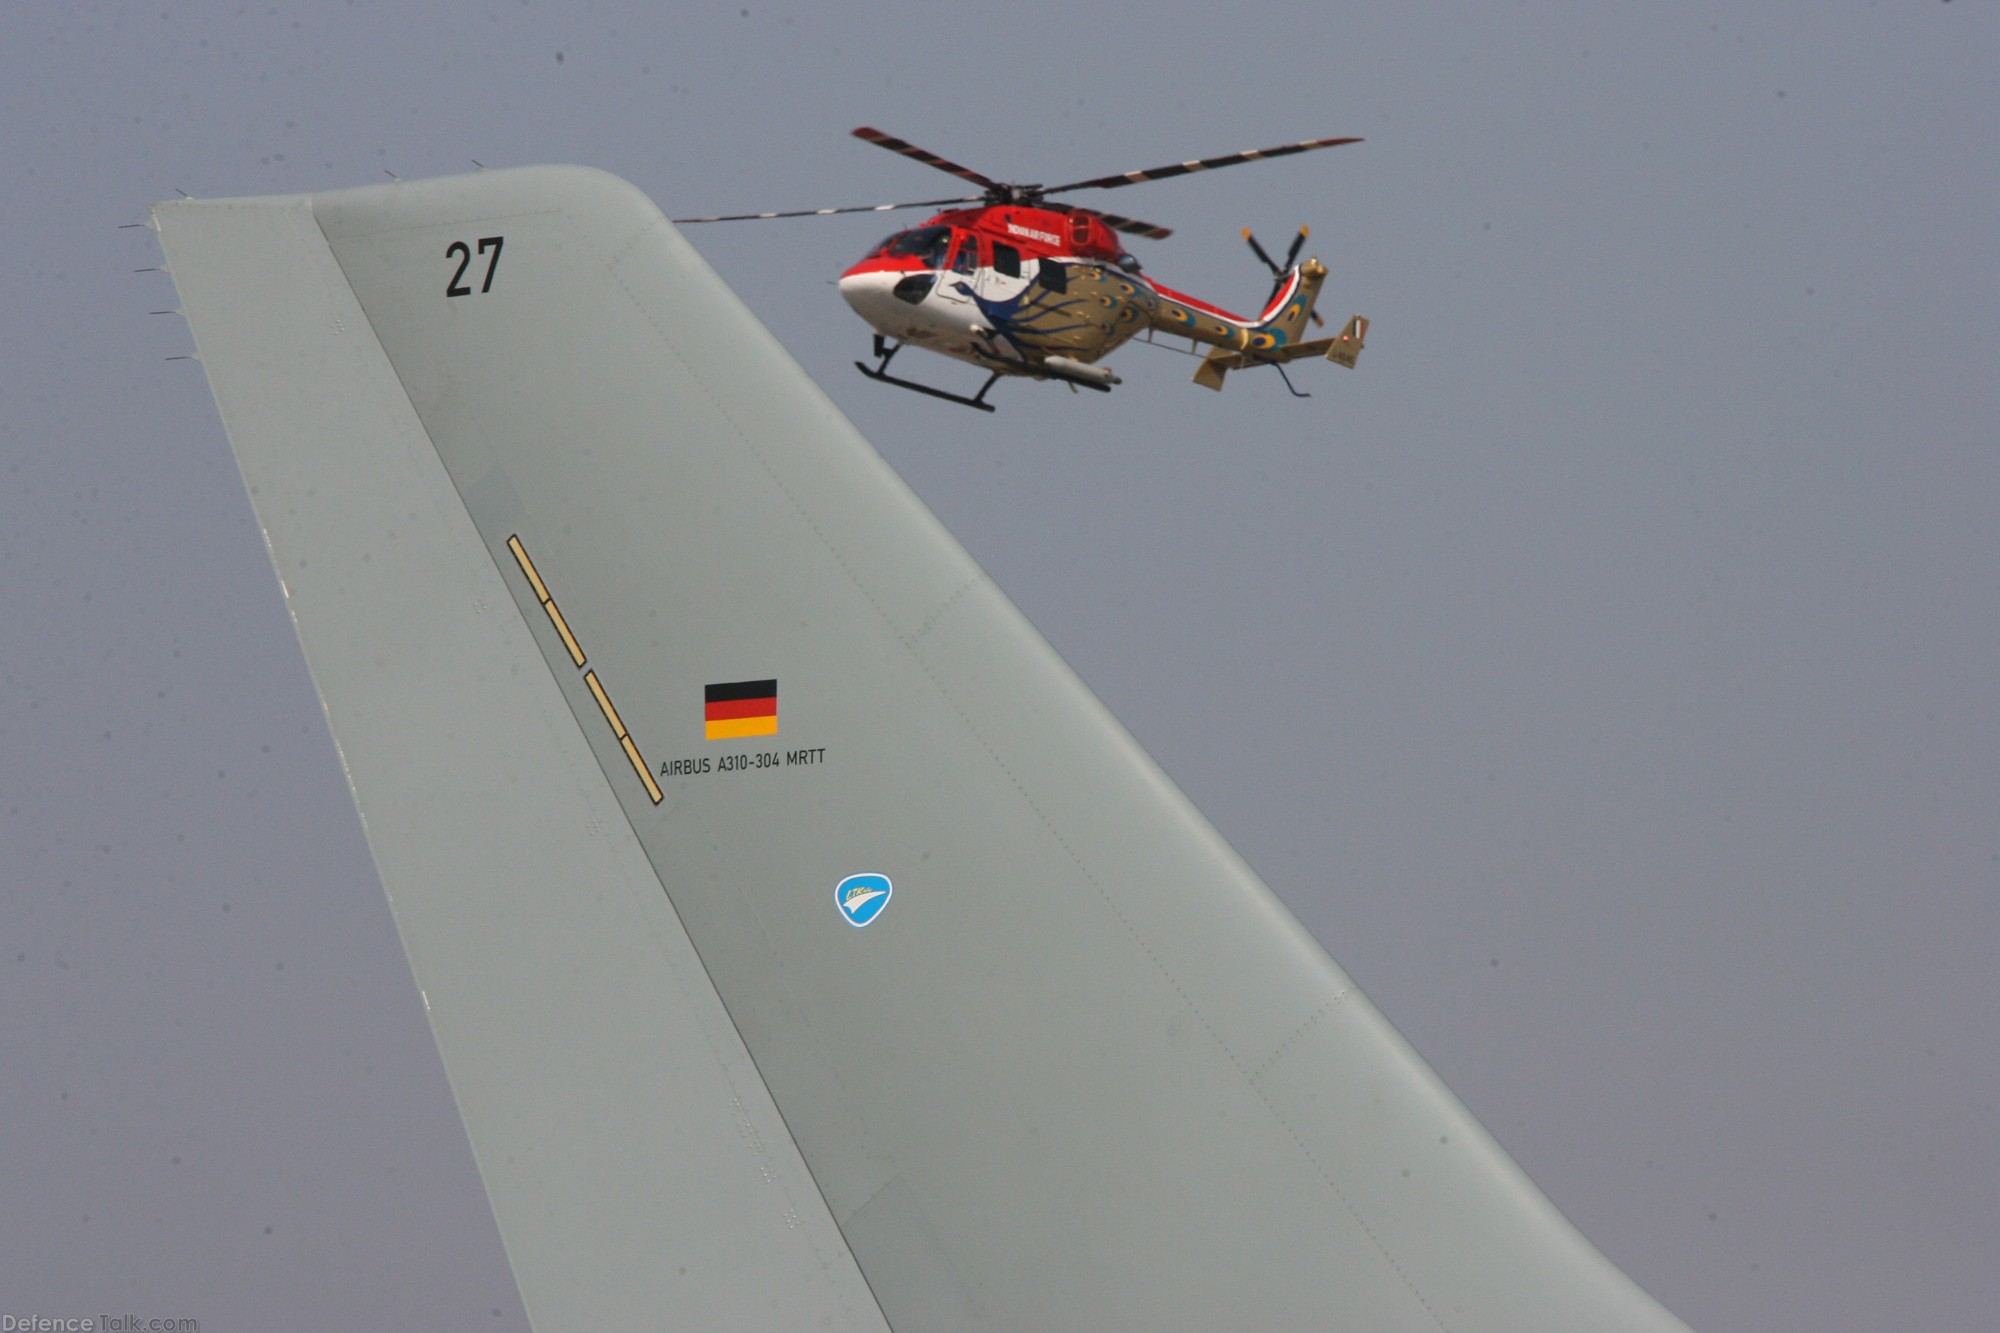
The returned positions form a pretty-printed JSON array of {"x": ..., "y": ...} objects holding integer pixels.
[
  {"x": 957, "y": 282},
  {"x": 1006, "y": 277}
]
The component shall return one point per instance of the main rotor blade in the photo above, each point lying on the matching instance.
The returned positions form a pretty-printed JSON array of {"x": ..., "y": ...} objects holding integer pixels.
[
  {"x": 1134, "y": 227},
  {"x": 1199, "y": 164},
  {"x": 925, "y": 156},
  {"x": 828, "y": 212},
  {"x": 1116, "y": 221}
]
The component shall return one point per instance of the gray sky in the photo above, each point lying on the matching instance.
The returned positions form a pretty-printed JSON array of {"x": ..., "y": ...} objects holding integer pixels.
[{"x": 1604, "y": 671}]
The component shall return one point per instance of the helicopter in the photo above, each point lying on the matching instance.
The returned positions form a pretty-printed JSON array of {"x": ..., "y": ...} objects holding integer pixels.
[{"x": 1022, "y": 286}]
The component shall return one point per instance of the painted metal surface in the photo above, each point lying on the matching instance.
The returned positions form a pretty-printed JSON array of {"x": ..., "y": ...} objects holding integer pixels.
[
  {"x": 1085, "y": 1072},
  {"x": 1005, "y": 288},
  {"x": 639, "y": 1172}
]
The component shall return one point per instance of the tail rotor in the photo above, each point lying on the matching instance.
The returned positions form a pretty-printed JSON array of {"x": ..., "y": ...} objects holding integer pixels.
[{"x": 1278, "y": 271}]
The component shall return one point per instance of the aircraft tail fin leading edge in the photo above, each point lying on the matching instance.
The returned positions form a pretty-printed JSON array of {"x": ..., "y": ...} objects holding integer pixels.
[{"x": 759, "y": 776}]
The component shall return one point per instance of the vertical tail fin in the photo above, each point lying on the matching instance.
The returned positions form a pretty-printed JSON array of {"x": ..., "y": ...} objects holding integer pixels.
[
  {"x": 1284, "y": 319},
  {"x": 1277, "y": 334},
  {"x": 1084, "y": 1071},
  {"x": 1346, "y": 348}
]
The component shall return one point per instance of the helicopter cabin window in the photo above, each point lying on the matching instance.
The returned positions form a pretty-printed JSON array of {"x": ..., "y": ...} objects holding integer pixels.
[
  {"x": 928, "y": 244},
  {"x": 967, "y": 258},
  {"x": 1006, "y": 260}
]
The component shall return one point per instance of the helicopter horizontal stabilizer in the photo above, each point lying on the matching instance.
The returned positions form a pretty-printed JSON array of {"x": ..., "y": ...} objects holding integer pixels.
[
  {"x": 1344, "y": 349},
  {"x": 1217, "y": 364}
]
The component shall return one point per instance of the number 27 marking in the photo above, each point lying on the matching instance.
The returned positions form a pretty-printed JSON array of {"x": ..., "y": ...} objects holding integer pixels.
[{"x": 464, "y": 253}]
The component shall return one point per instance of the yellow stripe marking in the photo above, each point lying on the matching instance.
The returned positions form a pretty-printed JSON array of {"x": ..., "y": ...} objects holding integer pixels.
[
  {"x": 548, "y": 602},
  {"x": 528, "y": 567},
  {"x": 639, "y": 767},
  {"x": 728, "y": 729},
  {"x": 604, "y": 702},
  {"x": 624, "y": 740},
  {"x": 562, "y": 628},
  {"x": 589, "y": 677}
]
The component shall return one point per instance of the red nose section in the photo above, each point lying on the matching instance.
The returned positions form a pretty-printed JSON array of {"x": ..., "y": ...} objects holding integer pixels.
[{"x": 879, "y": 263}]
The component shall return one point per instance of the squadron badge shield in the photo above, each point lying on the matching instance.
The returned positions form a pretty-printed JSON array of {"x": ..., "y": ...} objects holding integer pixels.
[{"x": 861, "y": 898}]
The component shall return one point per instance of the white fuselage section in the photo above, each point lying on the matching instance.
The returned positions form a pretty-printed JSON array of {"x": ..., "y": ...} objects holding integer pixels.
[{"x": 940, "y": 311}]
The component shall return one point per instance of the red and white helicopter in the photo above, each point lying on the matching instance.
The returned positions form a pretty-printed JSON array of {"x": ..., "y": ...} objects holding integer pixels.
[{"x": 1022, "y": 286}]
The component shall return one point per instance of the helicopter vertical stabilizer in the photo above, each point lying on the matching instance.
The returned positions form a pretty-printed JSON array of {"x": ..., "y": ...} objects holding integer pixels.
[
  {"x": 1345, "y": 350},
  {"x": 1284, "y": 319}
]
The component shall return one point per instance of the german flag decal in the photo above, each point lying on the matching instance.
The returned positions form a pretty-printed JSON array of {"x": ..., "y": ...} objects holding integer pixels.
[{"x": 741, "y": 708}]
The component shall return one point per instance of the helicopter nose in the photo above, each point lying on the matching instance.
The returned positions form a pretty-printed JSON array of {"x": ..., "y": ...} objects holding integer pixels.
[{"x": 873, "y": 296}]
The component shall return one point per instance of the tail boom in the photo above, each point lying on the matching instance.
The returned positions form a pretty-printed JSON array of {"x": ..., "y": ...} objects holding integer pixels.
[{"x": 1344, "y": 349}]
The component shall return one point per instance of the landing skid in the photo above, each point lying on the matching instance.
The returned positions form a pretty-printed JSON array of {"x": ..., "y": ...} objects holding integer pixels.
[{"x": 881, "y": 373}]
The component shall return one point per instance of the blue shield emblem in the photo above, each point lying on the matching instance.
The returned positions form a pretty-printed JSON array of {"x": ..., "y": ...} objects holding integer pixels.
[{"x": 861, "y": 898}]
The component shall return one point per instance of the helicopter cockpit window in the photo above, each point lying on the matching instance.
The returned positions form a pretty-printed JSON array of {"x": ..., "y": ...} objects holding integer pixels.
[
  {"x": 967, "y": 258},
  {"x": 926, "y": 243},
  {"x": 1006, "y": 260}
]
